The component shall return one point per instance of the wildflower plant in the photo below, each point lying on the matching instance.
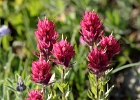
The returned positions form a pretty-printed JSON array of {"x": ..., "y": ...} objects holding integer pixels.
[
  {"x": 50, "y": 51},
  {"x": 53, "y": 54},
  {"x": 101, "y": 50}
]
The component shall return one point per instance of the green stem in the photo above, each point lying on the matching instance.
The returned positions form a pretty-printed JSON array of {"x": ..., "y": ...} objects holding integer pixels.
[
  {"x": 51, "y": 89},
  {"x": 107, "y": 89},
  {"x": 20, "y": 95},
  {"x": 63, "y": 75},
  {"x": 103, "y": 87},
  {"x": 0, "y": 42},
  {"x": 63, "y": 94},
  {"x": 44, "y": 91},
  {"x": 97, "y": 88}
]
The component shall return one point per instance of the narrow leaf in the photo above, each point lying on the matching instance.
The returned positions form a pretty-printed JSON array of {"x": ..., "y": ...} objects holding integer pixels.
[
  {"x": 90, "y": 94},
  {"x": 108, "y": 91},
  {"x": 125, "y": 66}
]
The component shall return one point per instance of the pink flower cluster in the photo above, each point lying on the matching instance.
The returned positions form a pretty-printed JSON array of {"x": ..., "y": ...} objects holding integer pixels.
[
  {"x": 63, "y": 51},
  {"x": 46, "y": 36},
  {"x": 35, "y": 95},
  {"x": 98, "y": 61},
  {"x": 110, "y": 44},
  {"x": 91, "y": 28},
  {"x": 41, "y": 72},
  {"x": 103, "y": 47},
  {"x": 48, "y": 46}
]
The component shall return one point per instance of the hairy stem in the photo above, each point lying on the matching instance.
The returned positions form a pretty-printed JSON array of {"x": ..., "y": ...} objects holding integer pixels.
[
  {"x": 103, "y": 79},
  {"x": 44, "y": 91},
  {"x": 63, "y": 94},
  {"x": 51, "y": 89},
  {"x": 97, "y": 89}
]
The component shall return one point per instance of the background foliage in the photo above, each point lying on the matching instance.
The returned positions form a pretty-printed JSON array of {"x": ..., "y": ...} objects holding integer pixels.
[{"x": 16, "y": 49}]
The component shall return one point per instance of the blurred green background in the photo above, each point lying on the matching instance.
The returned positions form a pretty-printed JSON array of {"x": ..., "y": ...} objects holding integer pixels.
[{"x": 122, "y": 17}]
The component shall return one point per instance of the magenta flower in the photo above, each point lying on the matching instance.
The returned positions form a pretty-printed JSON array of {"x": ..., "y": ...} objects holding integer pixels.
[
  {"x": 98, "y": 61},
  {"x": 45, "y": 48},
  {"x": 91, "y": 28},
  {"x": 35, "y": 95},
  {"x": 41, "y": 72},
  {"x": 46, "y": 36},
  {"x": 63, "y": 52},
  {"x": 111, "y": 45}
]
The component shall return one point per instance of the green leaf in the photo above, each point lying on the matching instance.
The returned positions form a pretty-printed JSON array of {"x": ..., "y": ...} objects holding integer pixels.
[
  {"x": 94, "y": 91},
  {"x": 54, "y": 94},
  {"x": 9, "y": 82},
  {"x": 59, "y": 69},
  {"x": 27, "y": 79},
  {"x": 109, "y": 16},
  {"x": 116, "y": 17},
  {"x": 108, "y": 72},
  {"x": 124, "y": 67},
  {"x": 64, "y": 84},
  {"x": 49, "y": 96},
  {"x": 106, "y": 81},
  {"x": 66, "y": 74},
  {"x": 7, "y": 93},
  {"x": 60, "y": 87},
  {"x": 67, "y": 94},
  {"x": 5, "y": 42},
  {"x": 90, "y": 94},
  {"x": 52, "y": 80},
  {"x": 12, "y": 88},
  {"x": 92, "y": 76},
  {"x": 92, "y": 79},
  {"x": 100, "y": 85},
  {"x": 16, "y": 77},
  {"x": 108, "y": 91}
]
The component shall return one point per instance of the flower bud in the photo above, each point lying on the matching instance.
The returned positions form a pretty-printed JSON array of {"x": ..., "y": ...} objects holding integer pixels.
[
  {"x": 111, "y": 45},
  {"x": 98, "y": 61},
  {"x": 91, "y": 28},
  {"x": 46, "y": 36},
  {"x": 35, "y": 95},
  {"x": 41, "y": 72},
  {"x": 63, "y": 52}
]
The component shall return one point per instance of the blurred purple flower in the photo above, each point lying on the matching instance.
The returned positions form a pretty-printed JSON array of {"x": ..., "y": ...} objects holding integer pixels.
[
  {"x": 4, "y": 30},
  {"x": 20, "y": 85}
]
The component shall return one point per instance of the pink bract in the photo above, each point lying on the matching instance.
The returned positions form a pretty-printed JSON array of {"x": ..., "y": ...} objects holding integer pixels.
[
  {"x": 111, "y": 45},
  {"x": 46, "y": 34},
  {"x": 98, "y": 61},
  {"x": 91, "y": 28},
  {"x": 35, "y": 95},
  {"x": 41, "y": 72},
  {"x": 63, "y": 52}
]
